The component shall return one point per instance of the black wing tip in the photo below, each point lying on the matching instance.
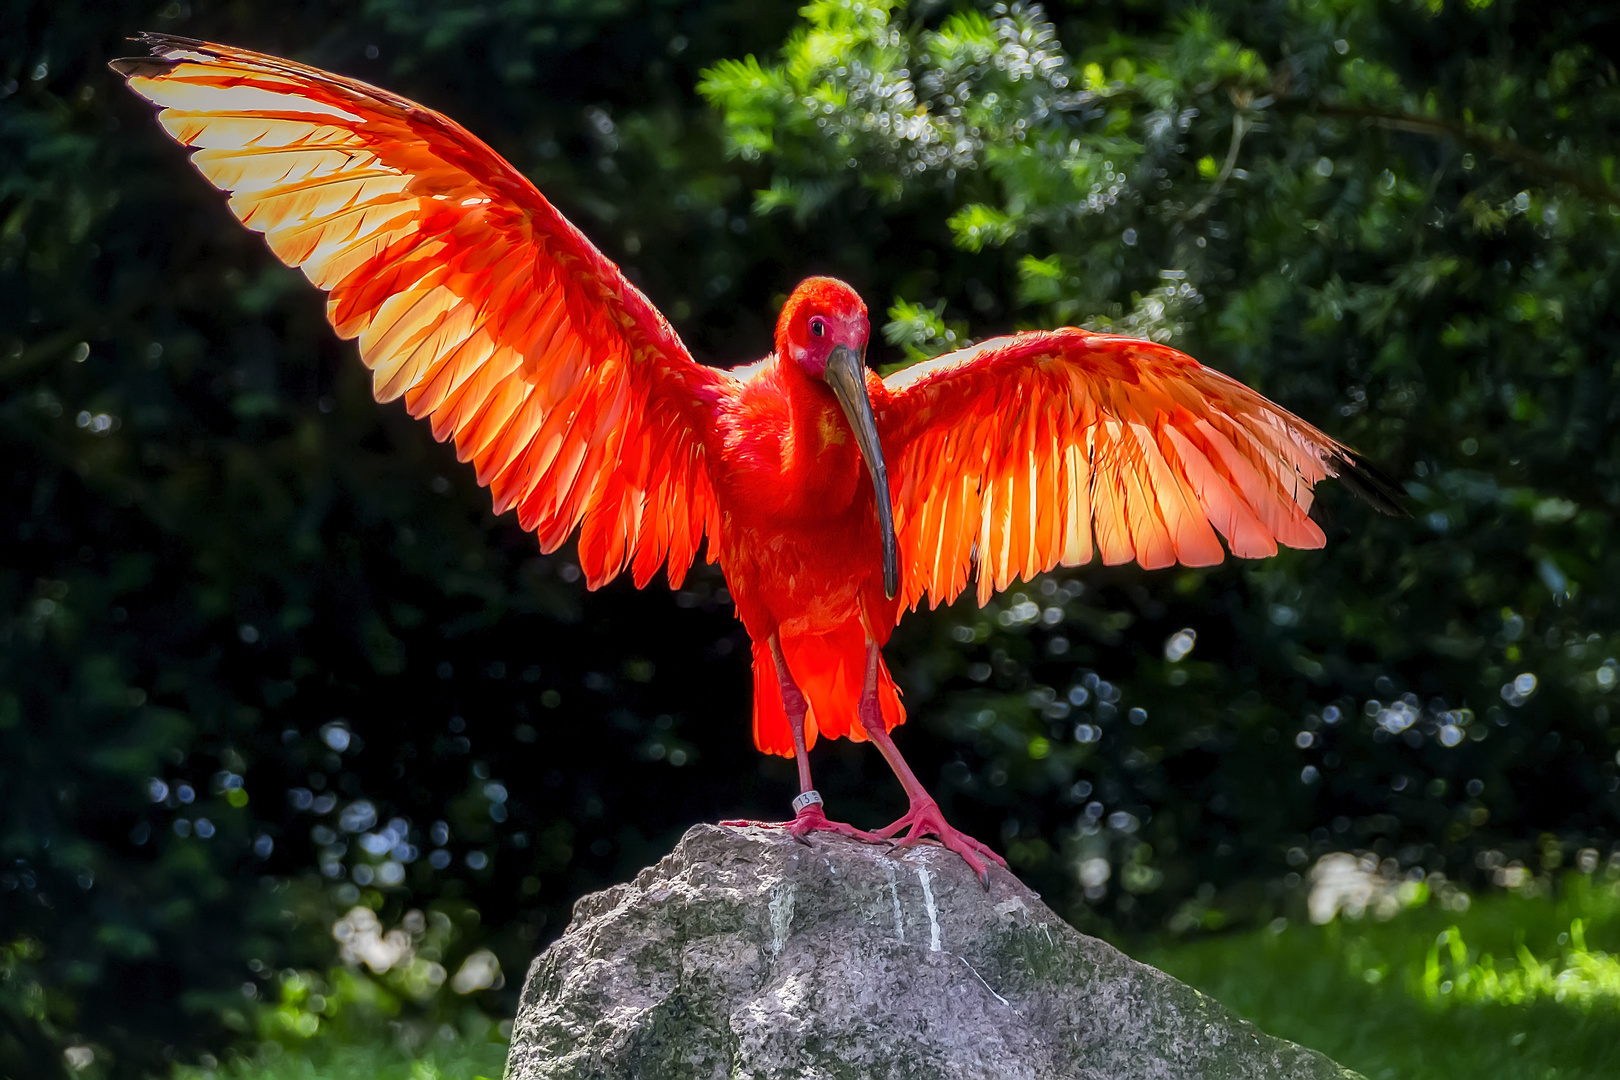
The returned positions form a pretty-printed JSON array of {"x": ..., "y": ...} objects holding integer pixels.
[
  {"x": 1369, "y": 483},
  {"x": 166, "y": 50},
  {"x": 131, "y": 67},
  {"x": 159, "y": 42}
]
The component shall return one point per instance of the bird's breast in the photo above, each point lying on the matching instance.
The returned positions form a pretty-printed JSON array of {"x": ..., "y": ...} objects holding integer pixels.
[
  {"x": 799, "y": 540},
  {"x": 809, "y": 579}
]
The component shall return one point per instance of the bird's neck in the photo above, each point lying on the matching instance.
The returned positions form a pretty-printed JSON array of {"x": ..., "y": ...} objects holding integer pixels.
[{"x": 818, "y": 447}]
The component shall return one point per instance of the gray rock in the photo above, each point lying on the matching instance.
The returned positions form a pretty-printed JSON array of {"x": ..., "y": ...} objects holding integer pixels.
[{"x": 747, "y": 954}]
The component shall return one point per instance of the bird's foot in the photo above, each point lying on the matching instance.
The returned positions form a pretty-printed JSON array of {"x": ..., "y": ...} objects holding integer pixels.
[
  {"x": 925, "y": 820},
  {"x": 812, "y": 819}
]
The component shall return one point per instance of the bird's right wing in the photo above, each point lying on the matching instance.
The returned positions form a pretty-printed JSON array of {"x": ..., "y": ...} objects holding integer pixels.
[
  {"x": 471, "y": 296},
  {"x": 1036, "y": 450}
]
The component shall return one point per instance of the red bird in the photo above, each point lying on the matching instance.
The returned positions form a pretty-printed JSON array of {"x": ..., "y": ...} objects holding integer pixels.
[{"x": 833, "y": 499}]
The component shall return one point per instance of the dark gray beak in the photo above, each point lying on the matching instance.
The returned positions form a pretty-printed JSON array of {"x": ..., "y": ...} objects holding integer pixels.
[{"x": 846, "y": 374}]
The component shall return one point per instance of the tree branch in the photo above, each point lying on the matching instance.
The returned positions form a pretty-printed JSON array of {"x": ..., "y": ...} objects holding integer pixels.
[
  {"x": 1502, "y": 149},
  {"x": 1240, "y": 127}
]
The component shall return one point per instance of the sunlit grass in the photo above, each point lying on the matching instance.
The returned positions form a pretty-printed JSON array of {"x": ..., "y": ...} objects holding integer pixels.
[
  {"x": 382, "y": 1059},
  {"x": 1521, "y": 985},
  {"x": 374, "y": 1054},
  {"x": 1578, "y": 976}
]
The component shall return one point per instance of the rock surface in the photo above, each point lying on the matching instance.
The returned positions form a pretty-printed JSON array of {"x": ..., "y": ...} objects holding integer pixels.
[{"x": 746, "y": 954}]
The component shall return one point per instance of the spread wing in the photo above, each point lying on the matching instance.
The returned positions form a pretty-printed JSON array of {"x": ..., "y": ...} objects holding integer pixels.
[
  {"x": 471, "y": 296},
  {"x": 1039, "y": 449}
]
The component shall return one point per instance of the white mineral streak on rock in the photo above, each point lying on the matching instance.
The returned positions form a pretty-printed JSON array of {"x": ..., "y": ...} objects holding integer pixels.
[
  {"x": 741, "y": 956},
  {"x": 933, "y": 912},
  {"x": 899, "y": 916},
  {"x": 987, "y": 986}
]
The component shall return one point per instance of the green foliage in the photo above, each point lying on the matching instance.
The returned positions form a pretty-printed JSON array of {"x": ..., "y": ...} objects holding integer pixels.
[
  {"x": 1522, "y": 984},
  {"x": 921, "y": 331},
  {"x": 265, "y": 656},
  {"x": 474, "y": 1053}
]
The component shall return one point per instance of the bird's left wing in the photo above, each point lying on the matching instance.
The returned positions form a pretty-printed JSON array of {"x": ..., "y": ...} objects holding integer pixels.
[
  {"x": 1035, "y": 450},
  {"x": 471, "y": 296}
]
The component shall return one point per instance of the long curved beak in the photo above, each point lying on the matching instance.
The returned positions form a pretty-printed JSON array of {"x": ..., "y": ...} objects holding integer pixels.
[{"x": 846, "y": 374}]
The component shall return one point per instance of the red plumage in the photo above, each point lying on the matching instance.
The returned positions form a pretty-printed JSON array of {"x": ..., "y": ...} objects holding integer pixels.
[{"x": 497, "y": 321}]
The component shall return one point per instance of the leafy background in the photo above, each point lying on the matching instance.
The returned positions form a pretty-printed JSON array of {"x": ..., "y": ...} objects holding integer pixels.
[{"x": 266, "y": 656}]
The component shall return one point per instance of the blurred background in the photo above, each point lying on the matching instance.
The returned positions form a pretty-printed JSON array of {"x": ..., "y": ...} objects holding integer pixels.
[{"x": 301, "y": 746}]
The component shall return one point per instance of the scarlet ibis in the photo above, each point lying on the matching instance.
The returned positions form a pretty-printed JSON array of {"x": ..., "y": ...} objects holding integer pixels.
[{"x": 832, "y": 499}]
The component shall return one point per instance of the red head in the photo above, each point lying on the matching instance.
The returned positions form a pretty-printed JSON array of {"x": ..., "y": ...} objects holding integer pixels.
[
  {"x": 822, "y": 314},
  {"x": 823, "y": 331}
]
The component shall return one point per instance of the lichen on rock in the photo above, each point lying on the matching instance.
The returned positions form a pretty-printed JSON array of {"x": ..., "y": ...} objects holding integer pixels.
[{"x": 745, "y": 954}]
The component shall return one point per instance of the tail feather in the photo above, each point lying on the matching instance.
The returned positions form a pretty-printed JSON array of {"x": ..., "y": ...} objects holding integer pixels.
[
  {"x": 830, "y": 670},
  {"x": 772, "y": 735}
]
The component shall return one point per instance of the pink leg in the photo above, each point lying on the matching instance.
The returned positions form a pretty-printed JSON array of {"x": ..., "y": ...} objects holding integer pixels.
[
  {"x": 810, "y": 818},
  {"x": 924, "y": 817}
]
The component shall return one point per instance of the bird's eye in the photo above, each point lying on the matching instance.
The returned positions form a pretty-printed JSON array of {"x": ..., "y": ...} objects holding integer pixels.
[{"x": 818, "y": 327}]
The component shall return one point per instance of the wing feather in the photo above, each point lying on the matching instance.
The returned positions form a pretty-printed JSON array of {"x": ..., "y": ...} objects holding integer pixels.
[
  {"x": 471, "y": 298},
  {"x": 1109, "y": 499},
  {"x": 1047, "y": 448}
]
